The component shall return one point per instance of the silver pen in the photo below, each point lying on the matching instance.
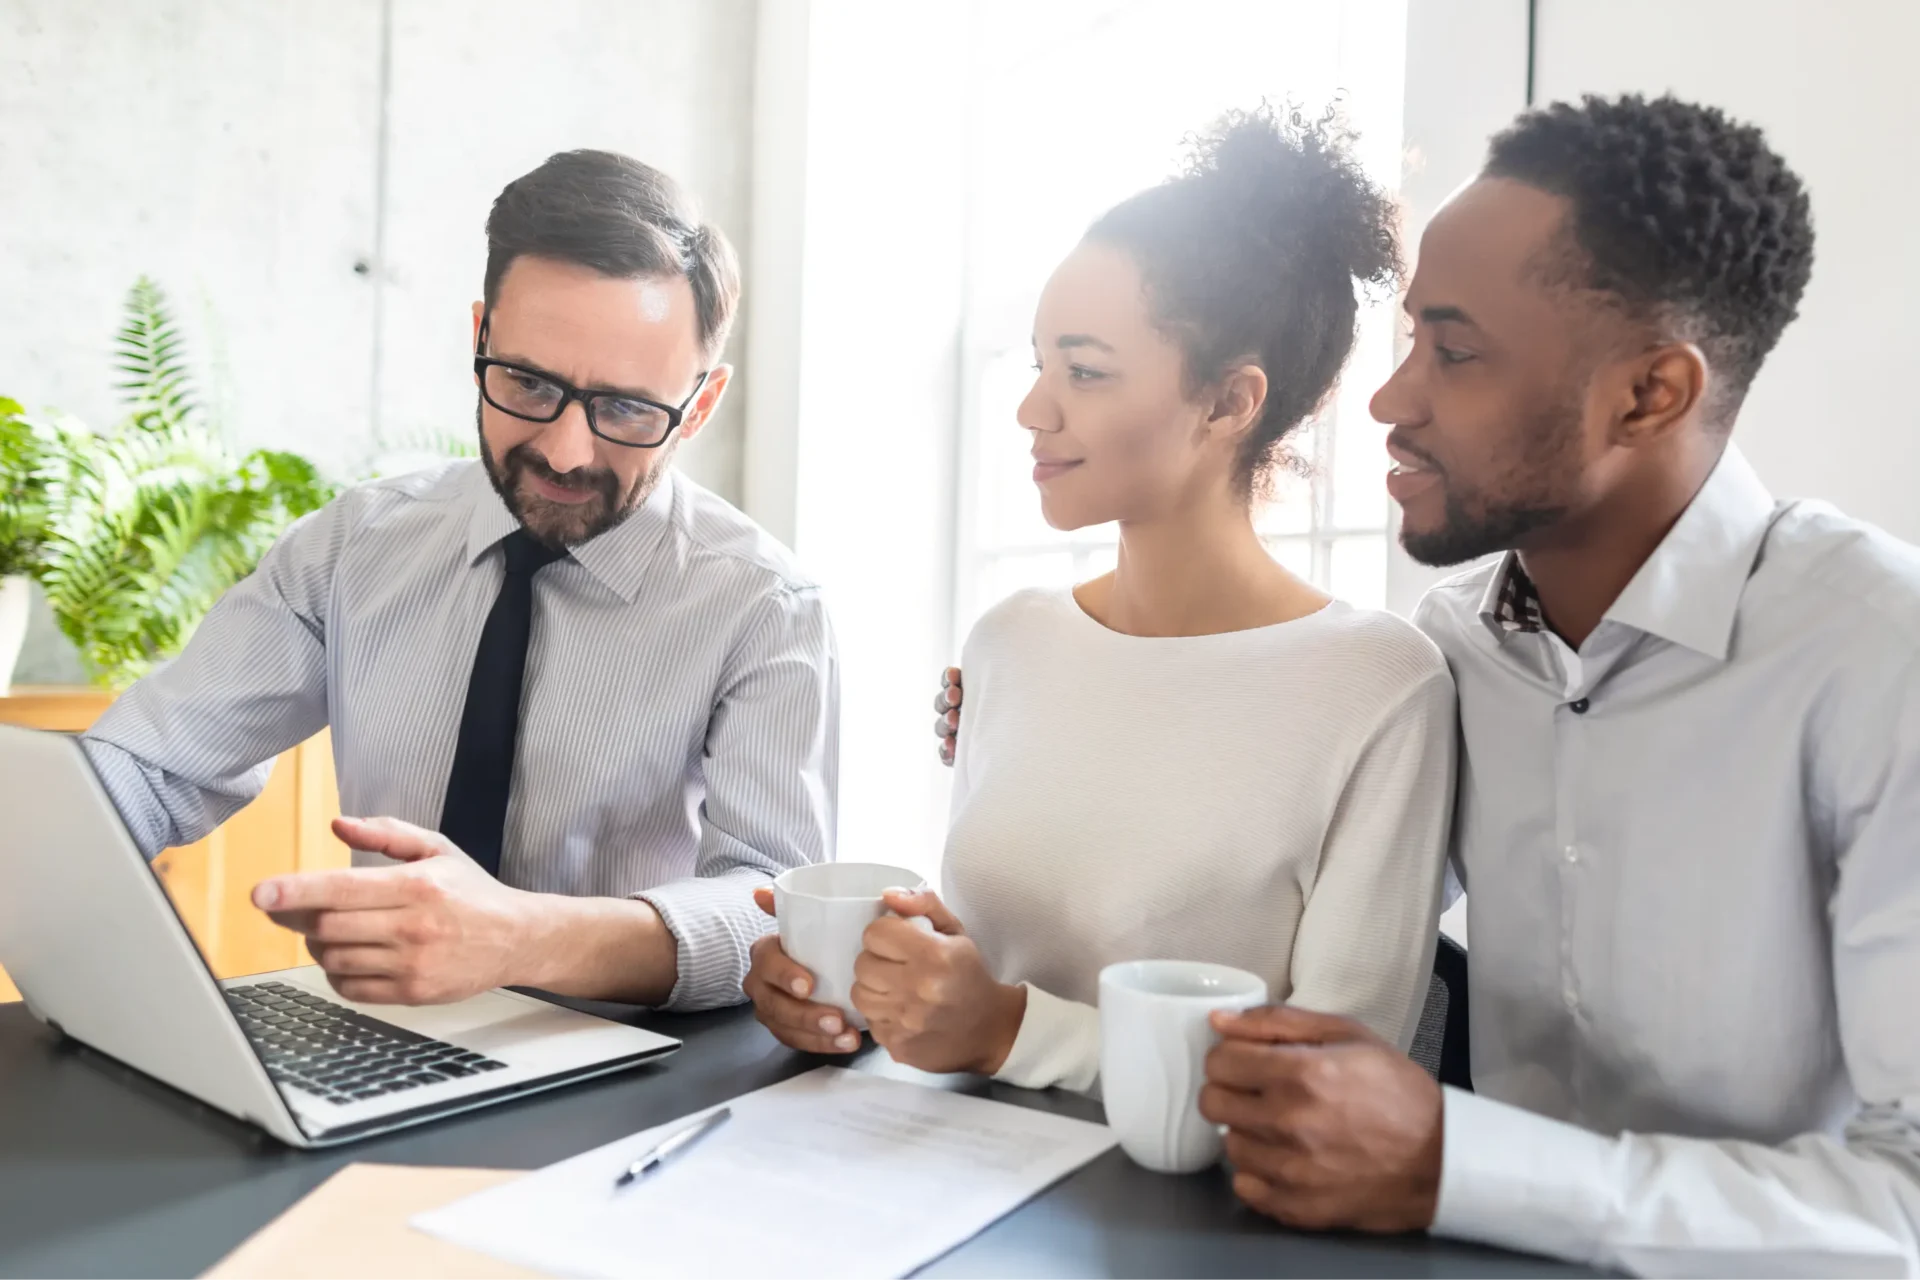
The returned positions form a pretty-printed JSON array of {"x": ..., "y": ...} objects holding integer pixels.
[{"x": 677, "y": 1141}]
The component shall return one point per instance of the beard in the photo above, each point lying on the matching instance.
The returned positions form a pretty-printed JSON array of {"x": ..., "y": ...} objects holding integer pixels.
[
  {"x": 1527, "y": 497},
  {"x": 565, "y": 524}
]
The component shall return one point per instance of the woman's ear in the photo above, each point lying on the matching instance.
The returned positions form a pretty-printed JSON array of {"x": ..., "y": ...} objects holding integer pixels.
[{"x": 1238, "y": 400}]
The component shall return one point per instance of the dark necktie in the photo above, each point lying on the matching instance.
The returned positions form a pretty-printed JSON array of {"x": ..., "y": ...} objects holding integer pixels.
[{"x": 475, "y": 814}]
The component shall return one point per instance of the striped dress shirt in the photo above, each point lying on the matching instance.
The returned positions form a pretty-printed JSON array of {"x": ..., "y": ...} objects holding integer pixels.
[{"x": 679, "y": 725}]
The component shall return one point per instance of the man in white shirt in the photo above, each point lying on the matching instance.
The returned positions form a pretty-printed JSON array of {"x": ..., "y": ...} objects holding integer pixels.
[
  {"x": 1689, "y": 803},
  {"x": 1689, "y": 796},
  {"x": 592, "y": 703}
]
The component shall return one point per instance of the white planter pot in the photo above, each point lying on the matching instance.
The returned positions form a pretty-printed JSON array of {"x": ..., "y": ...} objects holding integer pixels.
[{"x": 14, "y": 598}]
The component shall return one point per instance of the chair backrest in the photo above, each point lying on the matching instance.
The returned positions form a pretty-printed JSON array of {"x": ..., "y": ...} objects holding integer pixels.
[{"x": 1440, "y": 1041}]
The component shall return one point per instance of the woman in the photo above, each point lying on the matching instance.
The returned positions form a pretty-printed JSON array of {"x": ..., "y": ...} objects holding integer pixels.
[{"x": 1198, "y": 755}]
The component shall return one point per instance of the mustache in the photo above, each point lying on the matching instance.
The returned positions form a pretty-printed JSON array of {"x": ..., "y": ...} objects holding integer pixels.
[
  {"x": 1400, "y": 442},
  {"x": 525, "y": 458}
]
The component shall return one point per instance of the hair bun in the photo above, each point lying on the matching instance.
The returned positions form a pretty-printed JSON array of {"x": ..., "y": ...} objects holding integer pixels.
[
  {"x": 1291, "y": 180},
  {"x": 1253, "y": 251}
]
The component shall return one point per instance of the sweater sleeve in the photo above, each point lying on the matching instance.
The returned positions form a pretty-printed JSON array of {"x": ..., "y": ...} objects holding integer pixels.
[
  {"x": 1059, "y": 1040},
  {"x": 1058, "y": 1045},
  {"x": 1378, "y": 884}
]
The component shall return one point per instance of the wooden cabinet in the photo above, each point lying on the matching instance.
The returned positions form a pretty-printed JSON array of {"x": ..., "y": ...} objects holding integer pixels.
[{"x": 284, "y": 829}]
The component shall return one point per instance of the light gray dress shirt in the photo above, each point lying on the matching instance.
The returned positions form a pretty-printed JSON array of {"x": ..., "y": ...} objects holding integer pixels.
[
  {"x": 679, "y": 725},
  {"x": 1691, "y": 852}
]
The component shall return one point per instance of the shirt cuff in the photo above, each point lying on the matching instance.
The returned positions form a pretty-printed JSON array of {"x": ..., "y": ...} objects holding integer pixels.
[
  {"x": 1058, "y": 1044},
  {"x": 1523, "y": 1181},
  {"x": 714, "y": 923}
]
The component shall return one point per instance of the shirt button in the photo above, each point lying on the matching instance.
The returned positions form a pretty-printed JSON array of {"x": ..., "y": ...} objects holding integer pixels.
[
  {"x": 1572, "y": 853},
  {"x": 1567, "y": 994},
  {"x": 1579, "y": 708}
]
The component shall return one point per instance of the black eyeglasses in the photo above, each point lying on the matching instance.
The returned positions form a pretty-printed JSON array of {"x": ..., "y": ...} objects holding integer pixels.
[{"x": 619, "y": 417}]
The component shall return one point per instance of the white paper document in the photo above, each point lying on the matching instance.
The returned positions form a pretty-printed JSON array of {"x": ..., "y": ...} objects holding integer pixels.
[{"x": 833, "y": 1173}]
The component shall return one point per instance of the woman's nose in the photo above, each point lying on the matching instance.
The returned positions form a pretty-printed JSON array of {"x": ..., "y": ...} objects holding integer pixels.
[{"x": 1037, "y": 412}]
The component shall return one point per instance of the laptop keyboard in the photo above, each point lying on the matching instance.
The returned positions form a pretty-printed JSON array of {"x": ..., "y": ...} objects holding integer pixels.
[{"x": 334, "y": 1053}]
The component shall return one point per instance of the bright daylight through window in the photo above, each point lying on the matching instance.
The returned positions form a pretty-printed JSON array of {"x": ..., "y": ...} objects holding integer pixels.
[{"x": 1064, "y": 125}]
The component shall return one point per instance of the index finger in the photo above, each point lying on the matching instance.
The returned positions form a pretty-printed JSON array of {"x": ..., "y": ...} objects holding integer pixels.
[
  {"x": 1252, "y": 1067},
  {"x": 896, "y": 939},
  {"x": 348, "y": 889},
  {"x": 1287, "y": 1024}
]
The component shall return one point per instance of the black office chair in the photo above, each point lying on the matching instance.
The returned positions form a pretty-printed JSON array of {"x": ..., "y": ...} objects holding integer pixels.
[{"x": 1440, "y": 1041}]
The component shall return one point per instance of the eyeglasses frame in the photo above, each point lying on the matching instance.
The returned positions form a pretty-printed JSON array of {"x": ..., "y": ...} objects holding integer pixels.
[{"x": 676, "y": 414}]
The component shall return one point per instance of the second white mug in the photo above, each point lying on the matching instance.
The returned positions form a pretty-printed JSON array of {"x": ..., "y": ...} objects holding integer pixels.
[
  {"x": 1154, "y": 1039},
  {"x": 824, "y": 910}
]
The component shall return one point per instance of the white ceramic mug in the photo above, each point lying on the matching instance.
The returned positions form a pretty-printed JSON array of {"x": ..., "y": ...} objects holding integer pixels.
[
  {"x": 824, "y": 910},
  {"x": 1154, "y": 1040}
]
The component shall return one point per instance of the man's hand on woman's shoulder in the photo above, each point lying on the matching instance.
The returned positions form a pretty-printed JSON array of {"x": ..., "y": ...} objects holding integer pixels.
[{"x": 946, "y": 724}]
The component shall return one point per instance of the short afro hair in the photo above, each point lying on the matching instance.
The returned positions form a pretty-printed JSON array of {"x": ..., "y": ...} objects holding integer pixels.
[{"x": 1684, "y": 216}]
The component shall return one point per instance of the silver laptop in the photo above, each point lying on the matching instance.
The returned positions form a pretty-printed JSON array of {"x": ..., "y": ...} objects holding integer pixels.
[{"x": 90, "y": 937}]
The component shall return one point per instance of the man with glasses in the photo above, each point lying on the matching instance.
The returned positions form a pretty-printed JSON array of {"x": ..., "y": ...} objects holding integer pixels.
[{"x": 593, "y": 705}]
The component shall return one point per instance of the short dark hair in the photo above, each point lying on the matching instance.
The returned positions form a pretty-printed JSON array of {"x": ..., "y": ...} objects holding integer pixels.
[
  {"x": 1252, "y": 253},
  {"x": 622, "y": 218},
  {"x": 1684, "y": 216}
]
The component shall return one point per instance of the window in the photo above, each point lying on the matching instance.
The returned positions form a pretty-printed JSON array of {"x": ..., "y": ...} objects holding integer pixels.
[{"x": 1063, "y": 124}]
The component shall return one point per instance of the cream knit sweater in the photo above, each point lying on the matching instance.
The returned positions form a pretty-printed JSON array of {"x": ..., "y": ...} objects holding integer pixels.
[{"x": 1276, "y": 799}]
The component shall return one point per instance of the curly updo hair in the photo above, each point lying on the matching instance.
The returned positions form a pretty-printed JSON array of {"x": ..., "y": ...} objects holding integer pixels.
[
  {"x": 1680, "y": 215},
  {"x": 1251, "y": 254}
]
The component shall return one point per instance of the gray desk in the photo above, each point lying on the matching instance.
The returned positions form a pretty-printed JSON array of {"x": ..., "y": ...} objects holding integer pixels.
[{"x": 105, "y": 1172}]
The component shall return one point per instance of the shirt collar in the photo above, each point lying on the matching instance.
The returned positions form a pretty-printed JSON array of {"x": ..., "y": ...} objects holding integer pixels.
[
  {"x": 1689, "y": 589},
  {"x": 618, "y": 559}
]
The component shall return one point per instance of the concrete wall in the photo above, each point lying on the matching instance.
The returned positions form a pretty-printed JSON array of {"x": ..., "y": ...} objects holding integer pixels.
[
  {"x": 225, "y": 147},
  {"x": 309, "y": 181}
]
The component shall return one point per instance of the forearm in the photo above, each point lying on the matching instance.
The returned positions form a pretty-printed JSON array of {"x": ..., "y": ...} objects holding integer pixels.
[
  {"x": 599, "y": 948},
  {"x": 1662, "y": 1205}
]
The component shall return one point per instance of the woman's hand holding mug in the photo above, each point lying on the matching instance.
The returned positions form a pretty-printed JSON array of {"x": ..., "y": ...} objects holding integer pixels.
[{"x": 928, "y": 995}]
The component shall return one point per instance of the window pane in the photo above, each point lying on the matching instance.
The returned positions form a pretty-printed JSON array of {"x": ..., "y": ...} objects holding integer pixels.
[
  {"x": 1295, "y": 553},
  {"x": 1360, "y": 463},
  {"x": 1359, "y": 571},
  {"x": 1031, "y": 199},
  {"x": 1009, "y": 504},
  {"x": 1291, "y": 510},
  {"x": 1095, "y": 561}
]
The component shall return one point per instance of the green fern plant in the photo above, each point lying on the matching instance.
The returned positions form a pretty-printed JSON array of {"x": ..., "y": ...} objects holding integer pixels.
[
  {"x": 152, "y": 522},
  {"x": 26, "y": 467},
  {"x": 151, "y": 358}
]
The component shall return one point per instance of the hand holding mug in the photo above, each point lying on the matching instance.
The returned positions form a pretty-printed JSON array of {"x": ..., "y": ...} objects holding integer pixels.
[
  {"x": 928, "y": 996},
  {"x": 1327, "y": 1124},
  {"x": 779, "y": 988}
]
